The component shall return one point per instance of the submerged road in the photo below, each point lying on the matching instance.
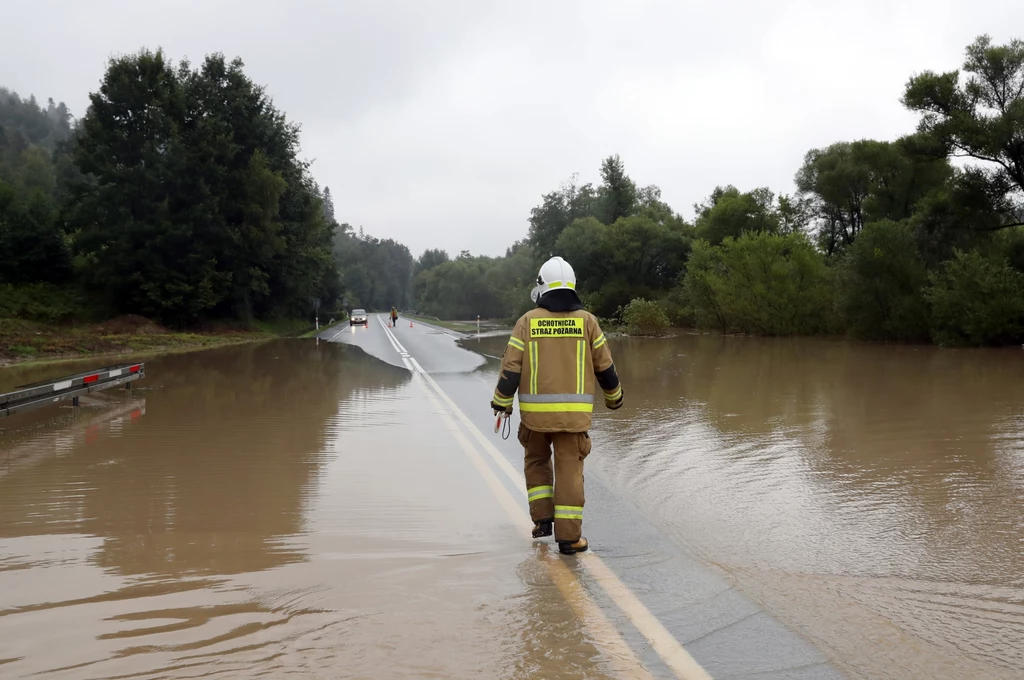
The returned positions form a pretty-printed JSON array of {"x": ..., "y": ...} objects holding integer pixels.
[
  {"x": 341, "y": 508},
  {"x": 645, "y": 602}
]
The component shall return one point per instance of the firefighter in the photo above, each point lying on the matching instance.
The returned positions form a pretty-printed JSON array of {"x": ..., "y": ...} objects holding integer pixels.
[
  {"x": 555, "y": 355},
  {"x": 394, "y": 318}
]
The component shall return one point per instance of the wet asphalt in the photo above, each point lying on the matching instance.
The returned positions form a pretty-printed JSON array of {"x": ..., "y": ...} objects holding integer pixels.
[{"x": 728, "y": 634}]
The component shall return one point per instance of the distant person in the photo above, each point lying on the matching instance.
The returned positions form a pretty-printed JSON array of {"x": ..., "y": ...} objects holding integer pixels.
[
  {"x": 560, "y": 350},
  {"x": 394, "y": 318}
]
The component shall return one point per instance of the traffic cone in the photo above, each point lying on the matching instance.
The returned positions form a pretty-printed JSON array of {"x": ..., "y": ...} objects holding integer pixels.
[{"x": 410, "y": 323}]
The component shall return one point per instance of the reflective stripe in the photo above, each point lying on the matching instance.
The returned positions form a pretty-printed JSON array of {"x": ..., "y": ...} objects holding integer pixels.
[
  {"x": 517, "y": 343},
  {"x": 581, "y": 356},
  {"x": 614, "y": 395},
  {"x": 561, "y": 407},
  {"x": 555, "y": 398},
  {"x": 568, "y": 512},
  {"x": 558, "y": 284},
  {"x": 503, "y": 401},
  {"x": 538, "y": 492},
  {"x": 600, "y": 341},
  {"x": 533, "y": 367}
]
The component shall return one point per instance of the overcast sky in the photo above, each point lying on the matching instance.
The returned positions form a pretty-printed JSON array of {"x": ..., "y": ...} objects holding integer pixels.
[{"x": 440, "y": 124}]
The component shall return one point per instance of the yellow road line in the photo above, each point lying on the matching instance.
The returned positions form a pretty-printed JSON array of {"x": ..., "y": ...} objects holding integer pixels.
[
  {"x": 675, "y": 656},
  {"x": 623, "y": 660}
]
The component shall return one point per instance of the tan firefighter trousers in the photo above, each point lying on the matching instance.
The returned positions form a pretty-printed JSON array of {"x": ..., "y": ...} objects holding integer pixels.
[{"x": 557, "y": 496}]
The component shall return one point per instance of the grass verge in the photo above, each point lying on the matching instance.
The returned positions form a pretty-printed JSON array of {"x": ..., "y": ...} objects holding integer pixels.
[
  {"x": 24, "y": 341},
  {"x": 458, "y": 326},
  {"x": 323, "y": 327}
]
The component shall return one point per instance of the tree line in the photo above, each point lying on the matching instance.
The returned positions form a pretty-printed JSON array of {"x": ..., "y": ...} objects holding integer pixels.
[
  {"x": 917, "y": 239},
  {"x": 179, "y": 195}
]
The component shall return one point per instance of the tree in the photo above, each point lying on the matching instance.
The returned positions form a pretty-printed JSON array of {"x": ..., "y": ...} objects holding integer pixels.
[
  {"x": 727, "y": 212},
  {"x": 458, "y": 289},
  {"x": 762, "y": 283},
  {"x": 328, "y": 205},
  {"x": 558, "y": 210},
  {"x": 618, "y": 193},
  {"x": 32, "y": 248},
  {"x": 977, "y": 301},
  {"x": 378, "y": 274},
  {"x": 636, "y": 256},
  {"x": 880, "y": 284},
  {"x": 981, "y": 118},
  {"x": 431, "y": 258},
  {"x": 849, "y": 184},
  {"x": 200, "y": 207}
]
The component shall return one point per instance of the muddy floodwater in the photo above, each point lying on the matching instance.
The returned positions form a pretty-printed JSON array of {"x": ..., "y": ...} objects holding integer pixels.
[
  {"x": 871, "y": 496},
  {"x": 297, "y": 509}
]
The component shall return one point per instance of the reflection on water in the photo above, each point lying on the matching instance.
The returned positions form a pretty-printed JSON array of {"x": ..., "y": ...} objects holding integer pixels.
[
  {"x": 873, "y": 495},
  {"x": 283, "y": 508}
]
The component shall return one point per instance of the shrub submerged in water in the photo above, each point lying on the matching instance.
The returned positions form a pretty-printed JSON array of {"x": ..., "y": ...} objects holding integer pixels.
[{"x": 644, "y": 317}]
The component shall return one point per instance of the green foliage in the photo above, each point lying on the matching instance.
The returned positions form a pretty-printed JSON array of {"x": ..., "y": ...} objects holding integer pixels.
[
  {"x": 880, "y": 285},
  {"x": 558, "y": 210},
  {"x": 378, "y": 273},
  {"x": 645, "y": 317},
  {"x": 977, "y": 300},
  {"x": 849, "y": 184},
  {"x": 727, "y": 212},
  {"x": 767, "y": 284},
  {"x": 430, "y": 259},
  {"x": 180, "y": 195},
  {"x": 43, "y": 302},
  {"x": 618, "y": 193},
  {"x": 32, "y": 247},
  {"x": 33, "y": 178},
  {"x": 980, "y": 117},
  {"x": 642, "y": 255},
  {"x": 201, "y": 207},
  {"x": 25, "y": 123},
  {"x": 458, "y": 289}
]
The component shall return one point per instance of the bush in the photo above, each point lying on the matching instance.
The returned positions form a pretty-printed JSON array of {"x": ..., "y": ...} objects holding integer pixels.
[
  {"x": 765, "y": 284},
  {"x": 976, "y": 301},
  {"x": 880, "y": 285},
  {"x": 643, "y": 317},
  {"x": 678, "y": 308},
  {"x": 41, "y": 302}
]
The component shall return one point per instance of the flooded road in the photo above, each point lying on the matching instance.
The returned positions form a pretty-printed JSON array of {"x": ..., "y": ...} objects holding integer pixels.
[
  {"x": 262, "y": 511},
  {"x": 871, "y": 496},
  {"x": 782, "y": 509}
]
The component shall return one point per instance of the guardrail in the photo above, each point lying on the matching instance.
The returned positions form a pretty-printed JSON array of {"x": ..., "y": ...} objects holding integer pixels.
[{"x": 48, "y": 392}]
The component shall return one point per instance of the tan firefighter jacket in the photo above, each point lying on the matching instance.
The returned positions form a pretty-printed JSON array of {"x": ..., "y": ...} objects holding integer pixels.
[{"x": 554, "y": 360}]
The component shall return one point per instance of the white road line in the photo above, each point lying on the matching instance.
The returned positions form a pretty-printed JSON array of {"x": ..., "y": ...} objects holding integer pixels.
[
  {"x": 621, "y": 656},
  {"x": 661, "y": 640}
]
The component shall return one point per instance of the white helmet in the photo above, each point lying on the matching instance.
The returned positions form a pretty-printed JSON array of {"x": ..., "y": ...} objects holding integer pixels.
[{"x": 555, "y": 274}]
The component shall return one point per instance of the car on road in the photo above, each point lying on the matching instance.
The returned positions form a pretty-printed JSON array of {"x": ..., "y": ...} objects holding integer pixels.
[{"x": 358, "y": 318}]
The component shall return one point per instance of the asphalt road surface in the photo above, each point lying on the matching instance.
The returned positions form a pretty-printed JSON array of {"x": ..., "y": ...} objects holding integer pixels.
[{"x": 647, "y": 601}]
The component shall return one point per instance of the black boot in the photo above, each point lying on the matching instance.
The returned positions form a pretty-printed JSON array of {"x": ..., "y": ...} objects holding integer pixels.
[
  {"x": 569, "y": 548},
  {"x": 542, "y": 528}
]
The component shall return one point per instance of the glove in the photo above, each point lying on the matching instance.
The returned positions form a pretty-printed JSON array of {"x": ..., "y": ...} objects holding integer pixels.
[
  {"x": 617, "y": 404},
  {"x": 507, "y": 410}
]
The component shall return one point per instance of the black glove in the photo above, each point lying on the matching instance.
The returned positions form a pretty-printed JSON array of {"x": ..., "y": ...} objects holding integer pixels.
[
  {"x": 501, "y": 409},
  {"x": 617, "y": 404}
]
